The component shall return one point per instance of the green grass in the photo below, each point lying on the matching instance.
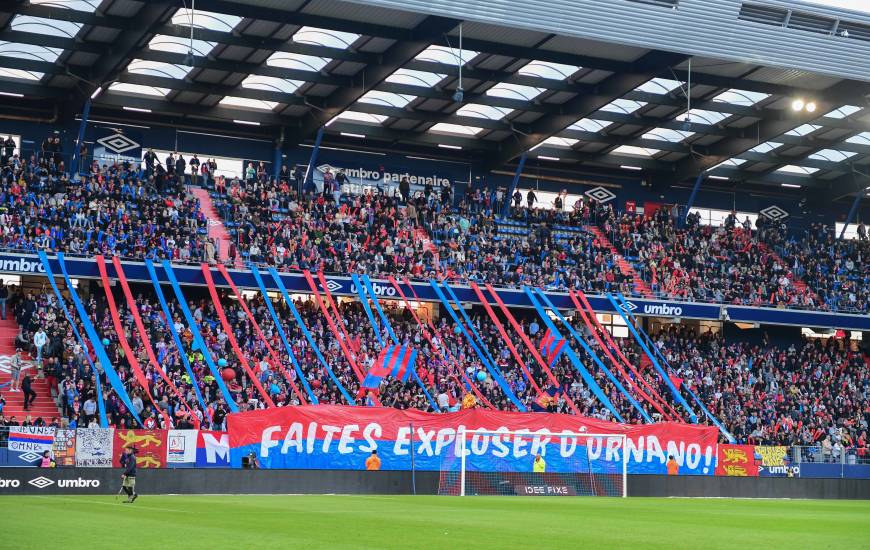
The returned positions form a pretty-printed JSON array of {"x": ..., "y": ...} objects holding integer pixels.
[{"x": 427, "y": 522}]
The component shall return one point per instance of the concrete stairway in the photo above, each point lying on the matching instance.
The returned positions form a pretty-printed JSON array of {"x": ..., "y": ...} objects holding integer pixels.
[
  {"x": 624, "y": 266},
  {"x": 44, "y": 406}
]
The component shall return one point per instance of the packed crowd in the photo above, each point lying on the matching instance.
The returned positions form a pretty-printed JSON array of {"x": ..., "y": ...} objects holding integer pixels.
[
  {"x": 815, "y": 393},
  {"x": 110, "y": 211},
  {"x": 811, "y": 393},
  {"x": 838, "y": 270},
  {"x": 695, "y": 262},
  {"x": 420, "y": 232}
]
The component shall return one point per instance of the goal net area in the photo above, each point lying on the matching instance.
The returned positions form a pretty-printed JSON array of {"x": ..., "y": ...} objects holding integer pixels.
[{"x": 534, "y": 464}]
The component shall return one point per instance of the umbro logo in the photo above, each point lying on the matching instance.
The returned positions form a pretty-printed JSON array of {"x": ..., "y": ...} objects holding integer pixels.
[
  {"x": 41, "y": 482},
  {"x": 774, "y": 213},
  {"x": 333, "y": 286},
  {"x": 600, "y": 194},
  {"x": 118, "y": 143}
]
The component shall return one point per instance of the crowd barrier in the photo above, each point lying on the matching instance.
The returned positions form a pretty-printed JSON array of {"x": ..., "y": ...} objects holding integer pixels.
[{"x": 94, "y": 481}]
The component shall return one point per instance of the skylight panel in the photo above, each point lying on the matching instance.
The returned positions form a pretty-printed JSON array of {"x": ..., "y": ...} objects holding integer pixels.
[
  {"x": 740, "y": 97},
  {"x": 271, "y": 84},
  {"x": 589, "y": 125},
  {"x": 324, "y": 37},
  {"x": 729, "y": 163},
  {"x": 666, "y": 134},
  {"x": 157, "y": 68},
  {"x": 832, "y": 155},
  {"x": 557, "y": 141},
  {"x": 703, "y": 116},
  {"x": 483, "y": 111},
  {"x": 415, "y": 78},
  {"x": 803, "y": 130},
  {"x": 623, "y": 105},
  {"x": 446, "y": 128},
  {"x": 801, "y": 170},
  {"x": 28, "y": 51},
  {"x": 356, "y": 116},
  {"x": 206, "y": 20},
  {"x": 76, "y": 5},
  {"x": 843, "y": 112},
  {"x": 248, "y": 103},
  {"x": 547, "y": 69},
  {"x": 388, "y": 99},
  {"x": 448, "y": 56},
  {"x": 766, "y": 147},
  {"x": 659, "y": 86},
  {"x": 138, "y": 89},
  {"x": 514, "y": 91},
  {"x": 862, "y": 139},
  {"x": 635, "y": 151},
  {"x": 19, "y": 74},
  {"x": 177, "y": 44},
  {"x": 297, "y": 61},
  {"x": 50, "y": 27}
]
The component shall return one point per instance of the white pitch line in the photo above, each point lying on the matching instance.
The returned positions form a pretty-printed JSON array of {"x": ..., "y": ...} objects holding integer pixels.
[{"x": 118, "y": 503}]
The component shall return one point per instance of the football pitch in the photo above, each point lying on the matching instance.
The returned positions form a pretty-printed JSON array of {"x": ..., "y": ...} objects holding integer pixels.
[{"x": 428, "y": 522}]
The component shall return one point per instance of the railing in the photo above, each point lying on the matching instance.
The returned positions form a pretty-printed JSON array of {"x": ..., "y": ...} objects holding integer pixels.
[{"x": 818, "y": 454}]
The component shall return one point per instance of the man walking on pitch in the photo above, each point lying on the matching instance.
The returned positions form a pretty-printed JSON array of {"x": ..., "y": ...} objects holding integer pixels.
[{"x": 128, "y": 478}]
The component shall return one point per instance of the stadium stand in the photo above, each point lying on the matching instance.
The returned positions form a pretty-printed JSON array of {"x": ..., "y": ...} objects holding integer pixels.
[{"x": 516, "y": 253}]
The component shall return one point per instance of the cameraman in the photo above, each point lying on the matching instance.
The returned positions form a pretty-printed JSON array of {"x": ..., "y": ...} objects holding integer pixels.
[{"x": 128, "y": 478}]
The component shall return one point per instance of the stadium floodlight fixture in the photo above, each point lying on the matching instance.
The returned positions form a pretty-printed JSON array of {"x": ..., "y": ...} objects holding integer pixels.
[
  {"x": 797, "y": 104},
  {"x": 810, "y": 107}
]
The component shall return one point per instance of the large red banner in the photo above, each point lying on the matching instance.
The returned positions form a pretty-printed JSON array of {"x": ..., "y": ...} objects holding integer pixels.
[
  {"x": 736, "y": 460},
  {"x": 150, "y": 446},
  {"x": 340, "y": 437}
]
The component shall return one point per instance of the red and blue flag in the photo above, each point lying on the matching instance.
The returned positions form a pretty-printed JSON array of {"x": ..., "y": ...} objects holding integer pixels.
[
  {"x": 395, "y": 361},
  {"x": 551, "y": 347}
]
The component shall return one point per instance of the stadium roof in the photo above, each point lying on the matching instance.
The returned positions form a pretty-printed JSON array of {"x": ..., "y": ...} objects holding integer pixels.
[{"x": 389, "y": 76}]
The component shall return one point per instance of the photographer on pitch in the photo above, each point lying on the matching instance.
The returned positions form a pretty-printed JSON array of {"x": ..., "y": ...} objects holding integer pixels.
[{"x": 128, "y": 478}]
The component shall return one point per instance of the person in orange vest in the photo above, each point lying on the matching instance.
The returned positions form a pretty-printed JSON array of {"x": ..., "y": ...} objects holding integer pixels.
[
  {"x": 373, "y": 462},
  {"x": 673, "y": 467}
]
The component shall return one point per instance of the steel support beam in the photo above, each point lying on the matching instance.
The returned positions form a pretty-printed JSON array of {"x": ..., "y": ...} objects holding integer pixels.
[
  {"x": 507, "y": 199},
  {"x": 74, "y": 165},
  {"x": 312, "y": 161},
  {"x": 851, "y": 215}
]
